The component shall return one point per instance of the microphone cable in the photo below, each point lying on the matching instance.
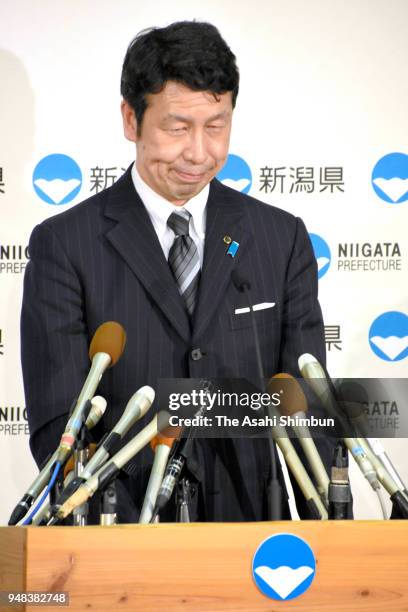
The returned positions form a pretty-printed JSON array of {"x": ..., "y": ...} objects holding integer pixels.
[
  {"x": 47, "y": 491},
  {"x": 381, "y": 499}
]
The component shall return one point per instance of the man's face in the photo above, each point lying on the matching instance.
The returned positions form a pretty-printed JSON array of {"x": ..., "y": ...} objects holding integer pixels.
[{"x": 183, "y": 142}]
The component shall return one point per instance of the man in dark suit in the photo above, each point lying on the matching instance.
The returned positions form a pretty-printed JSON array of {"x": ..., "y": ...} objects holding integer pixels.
[{"x": 133, "y": 255}]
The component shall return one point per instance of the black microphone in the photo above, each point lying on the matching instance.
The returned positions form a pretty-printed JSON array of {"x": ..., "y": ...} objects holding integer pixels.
[
  {"x": 98, "y": 407},
  {"x": 180, "y": 454},
  {"x": 243, "y": 285},
  {"x": 174, "y": 468},
  {"x": 339, "y": 487}
]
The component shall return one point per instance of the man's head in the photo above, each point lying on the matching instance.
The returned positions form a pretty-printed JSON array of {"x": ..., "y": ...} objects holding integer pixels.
[{"x": 179, "y": 86}]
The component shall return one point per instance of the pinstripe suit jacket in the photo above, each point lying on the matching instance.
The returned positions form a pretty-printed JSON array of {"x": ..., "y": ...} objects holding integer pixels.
[{"x": 101, "y": 261}]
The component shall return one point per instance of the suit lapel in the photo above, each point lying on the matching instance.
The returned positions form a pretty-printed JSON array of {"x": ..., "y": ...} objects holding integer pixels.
[
  {"x": 135, "y": 240},
  {"x": 224, "y": 218}
]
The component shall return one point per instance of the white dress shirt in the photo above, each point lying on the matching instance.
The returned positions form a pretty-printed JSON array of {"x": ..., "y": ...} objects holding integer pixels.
[{"x": 159, "y": 209}]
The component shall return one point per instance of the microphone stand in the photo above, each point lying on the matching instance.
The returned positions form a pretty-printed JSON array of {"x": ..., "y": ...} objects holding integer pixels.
[
  {"x": 183, "y": 500},
  {"x": 80, "y": 459},
  {"x": 80, "y": 513},
  {"x": 108, "y": 505},
  {"x": 274, "y": 486}
]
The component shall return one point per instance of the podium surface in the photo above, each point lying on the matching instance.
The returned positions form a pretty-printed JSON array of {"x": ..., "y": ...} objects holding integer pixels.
[{"x": 360, "y": 566}]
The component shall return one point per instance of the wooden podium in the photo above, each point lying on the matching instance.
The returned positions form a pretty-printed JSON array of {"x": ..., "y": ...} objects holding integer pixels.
[{"x": 361, "y": 566}]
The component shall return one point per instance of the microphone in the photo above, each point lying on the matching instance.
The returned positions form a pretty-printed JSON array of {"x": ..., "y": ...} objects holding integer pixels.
[
  {"x": 105, "y": 350},
  {"x": 110, "y": 470},
  {"x": 170, "y": 479},
  {"x": 295, "y": 465},
  {"x": 98, "y": 407},
  {"x": 243, "y": 285},
  {"x": 354, "y": 398},
  {"x": 161, "y": 445},
  {"x": 136, "y": 408},
  {"x": 339, "y": 487},
  {"x": 369, "y": 464},
  {"x": 390, "y": 481},
  {"x": 44, "y": 514},
  {"x": 315, "y": 376},
  {"x": 294, "y": 404},
  {"x": 379, "y": 451},
  {"x": 181, "y": 452},
  {"x": 73, "y": 467}
]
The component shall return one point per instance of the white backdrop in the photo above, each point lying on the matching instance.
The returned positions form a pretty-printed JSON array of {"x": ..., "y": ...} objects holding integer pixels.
[{"x": 322, "y": 100}]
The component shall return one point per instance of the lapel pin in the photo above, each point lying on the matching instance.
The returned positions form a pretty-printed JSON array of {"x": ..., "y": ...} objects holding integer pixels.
[
  {"x": 227, "y": 239},
  {"x": 233, "y": 248}
]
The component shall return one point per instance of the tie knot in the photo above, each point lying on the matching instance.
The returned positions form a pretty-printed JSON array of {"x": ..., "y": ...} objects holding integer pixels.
[{"x": 179, "y": 222}]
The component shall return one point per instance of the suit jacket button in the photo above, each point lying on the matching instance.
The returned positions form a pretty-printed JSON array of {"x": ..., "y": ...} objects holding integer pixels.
[{"x": 197, "y": 354}]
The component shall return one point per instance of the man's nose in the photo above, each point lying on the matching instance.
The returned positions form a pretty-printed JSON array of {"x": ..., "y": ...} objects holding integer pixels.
[{"x": 195, "y": 150}]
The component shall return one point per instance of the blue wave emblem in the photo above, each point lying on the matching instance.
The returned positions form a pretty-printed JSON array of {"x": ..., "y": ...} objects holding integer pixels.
[
  {"x": 283, "y": 567},
  {"x": 388, "y": 336},
  {"x": 57, "y": 179},
  {"x": 236, "y": 174},
  {"x": 390, "y": 178}
]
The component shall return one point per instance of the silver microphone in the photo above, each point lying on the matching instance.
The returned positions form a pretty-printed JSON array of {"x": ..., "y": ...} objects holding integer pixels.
[
  {"x": 136, "y": 408},
  {"x": 315, "y": 376},
  {"x": 162, "y": 447},
  {"x": 294, "y": 404},
  {"x": 105, "y": 349},
  {"x": 108, "y": 471},
  {"x": 98, "y": 407}
]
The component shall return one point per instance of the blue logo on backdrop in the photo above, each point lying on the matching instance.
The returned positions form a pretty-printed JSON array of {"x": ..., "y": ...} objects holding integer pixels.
[
  {"x": 57, "y": 179},
  {"x": 388, "y": 336},
  {"x": 322, "y": 254},
  {"x": 236, "y": 174},
  {"x": 390, "y": 178},
  {"x": 283, "y": 566}
]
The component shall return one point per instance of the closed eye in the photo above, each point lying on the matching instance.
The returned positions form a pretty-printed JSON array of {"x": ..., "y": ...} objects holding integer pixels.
[{"x": 177, "y": 130}]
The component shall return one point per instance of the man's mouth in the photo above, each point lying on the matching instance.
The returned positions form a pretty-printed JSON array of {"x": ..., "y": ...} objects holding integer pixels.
[{"x": 190, "y": 177}]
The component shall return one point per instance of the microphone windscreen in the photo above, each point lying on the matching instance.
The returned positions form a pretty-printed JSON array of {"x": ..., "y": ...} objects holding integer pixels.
[
  {"x": 354, "y": 399},
  {"x": 98, "y": 407},
  {"x": 240, "y": 282},
  {"x": 167, "y": 436},
  {"x": 292, "y": 398},
  {"x": 110, "y": 338},
  {"x": 306, "y": 360}
]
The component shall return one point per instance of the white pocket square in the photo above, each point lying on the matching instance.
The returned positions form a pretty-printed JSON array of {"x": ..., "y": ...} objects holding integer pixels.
[{"x": 262, "y": 306}]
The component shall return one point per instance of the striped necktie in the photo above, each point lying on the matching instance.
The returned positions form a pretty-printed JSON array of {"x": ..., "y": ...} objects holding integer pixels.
[{"x": 184, "y": 260}]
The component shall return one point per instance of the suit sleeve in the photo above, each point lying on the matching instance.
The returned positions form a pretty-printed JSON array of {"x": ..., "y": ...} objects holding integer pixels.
[
  {"x": 54, "y": 340},
  {"x": 302, "y": 322},
  {"x": 303, "y": 332}
]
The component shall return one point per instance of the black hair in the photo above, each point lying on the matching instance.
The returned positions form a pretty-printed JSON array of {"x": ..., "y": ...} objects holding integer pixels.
[{"x": 190, "y": 52}]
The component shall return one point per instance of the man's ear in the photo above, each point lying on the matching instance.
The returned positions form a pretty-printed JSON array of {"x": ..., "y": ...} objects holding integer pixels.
[{"x": 129, "y": 121}]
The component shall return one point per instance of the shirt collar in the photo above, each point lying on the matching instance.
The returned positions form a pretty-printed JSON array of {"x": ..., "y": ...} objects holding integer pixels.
[{"x": 159, "y": 209}]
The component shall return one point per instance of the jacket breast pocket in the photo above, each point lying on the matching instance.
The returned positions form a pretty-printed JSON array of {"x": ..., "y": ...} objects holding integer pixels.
[{"x": 267, "y": 316}]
